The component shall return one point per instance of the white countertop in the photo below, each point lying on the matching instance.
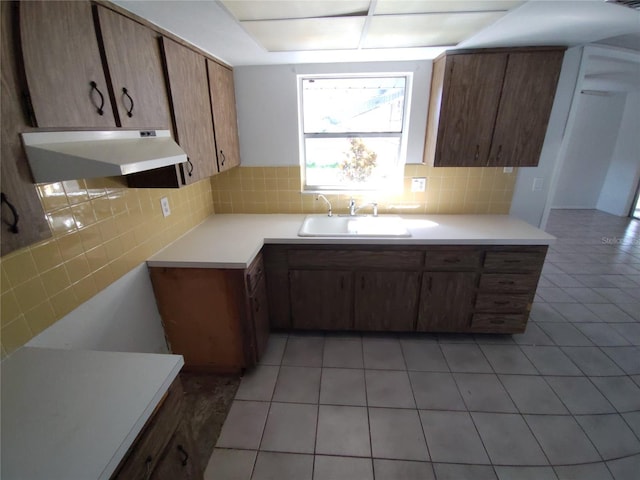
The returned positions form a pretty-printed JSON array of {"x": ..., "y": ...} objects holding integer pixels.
[
  {"x": 71, "y": 414},
  {"x": 233, "y": 240}
]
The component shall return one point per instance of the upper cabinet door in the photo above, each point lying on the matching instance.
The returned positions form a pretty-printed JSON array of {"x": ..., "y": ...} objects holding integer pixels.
[
  {"x": 525, "y": 106},
  {"x": 225, "y": 120},
  {"x": 469, "y": 104},
  {"x": 189, "y": 94},
  {"x": 62, "y": 63},
  {"x": 135, "y": 68}
]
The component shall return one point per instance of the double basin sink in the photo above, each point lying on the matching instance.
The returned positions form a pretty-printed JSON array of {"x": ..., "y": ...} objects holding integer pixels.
[{"x": 353, "y": 226}]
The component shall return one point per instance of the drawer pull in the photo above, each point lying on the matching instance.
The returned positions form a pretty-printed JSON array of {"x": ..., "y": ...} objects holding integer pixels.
[
  {"x": 511, "y": 260},
  {"x": 501, "y": 302},
  {"x": 506, "y": 282},
  {"x": 185, "y": 455},
  {"x": 451, "y": 260},
  {"x": 496, "y": 322}
]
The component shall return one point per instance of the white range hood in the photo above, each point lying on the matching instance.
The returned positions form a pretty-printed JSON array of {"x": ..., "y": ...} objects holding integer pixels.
[{"x": 56, "y": 156}]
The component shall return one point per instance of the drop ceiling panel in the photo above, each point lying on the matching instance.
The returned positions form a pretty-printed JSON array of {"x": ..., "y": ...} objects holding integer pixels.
[
  {"x": 286, "y": 9},
  {"x": 307, "y": 34},
  {"x": 422, "y": 30},
  {"x": 393, "y": 7}
]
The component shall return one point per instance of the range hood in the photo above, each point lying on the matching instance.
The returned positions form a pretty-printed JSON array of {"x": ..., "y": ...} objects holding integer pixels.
[{"x": 56, "y": 156}]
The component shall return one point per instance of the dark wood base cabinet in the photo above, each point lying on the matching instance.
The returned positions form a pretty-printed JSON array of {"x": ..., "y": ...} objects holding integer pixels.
[
  {"x": 476, "y": 288},
  {"x": 164, "y": 449}
]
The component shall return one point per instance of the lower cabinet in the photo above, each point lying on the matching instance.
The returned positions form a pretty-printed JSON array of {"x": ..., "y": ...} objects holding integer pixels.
[
  {"x": 321, "y": 299},
  {"x": 164, "y": 449},
  {"x": 386, "y": 300},
  {"x": 469, "y": 288},
  {"x": 216, "y": 318},
  {"x": 446, "y": 301}
]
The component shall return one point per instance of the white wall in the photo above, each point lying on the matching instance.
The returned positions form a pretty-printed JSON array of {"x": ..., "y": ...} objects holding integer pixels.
[
  {"x": 267, "y": 103},
  {"x": 526, "y": 204},
  {"x": 589, "y": 151},
  {"x": 121, "y": 318},
  {"x": 623, "y": 175}
]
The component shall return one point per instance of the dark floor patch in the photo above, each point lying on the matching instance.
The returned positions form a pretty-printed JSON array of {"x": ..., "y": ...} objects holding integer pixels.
[{"x": 208, "y": 399}]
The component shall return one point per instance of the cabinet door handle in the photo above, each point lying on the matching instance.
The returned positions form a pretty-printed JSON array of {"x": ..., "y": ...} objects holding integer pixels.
[
  {"x": 256, "y": 305},
  {"x": 147, "y": 464},
  {"x": 501, "y": 302},
  {"x": 429, "y": 285},
  {"x": 185, "y": 455},
  {"x": 125, "y": 93},
  {"x": 190, "y": 167},
  {"x": 341, "y": 283},
  {"x": 94, "y": 86},
  {"x": 13, "y": 226},
  {"x": 362, "y": 282},
  {"x": 477, "y": 155},
  {"x": 451, "y": 260},
  {"x": 223, "y": 157},
  {"x": 496, "y": 322},
  {"x": 512, "y": 260},
  {"x": 499, "y": 155},
  {"x": 506, "y": 282}
]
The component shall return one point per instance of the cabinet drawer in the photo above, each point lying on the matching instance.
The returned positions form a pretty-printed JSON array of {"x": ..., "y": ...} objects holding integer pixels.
[
  {"x": 452, "y": 260},
  {"x": 355, "y": 258},
  {"x": 254, "y": 272},
  {"x": 146, "y": 451},
  {"x": 508, "y": 283},
  {"x": 514, "y": 261},
  {"x": 499, "y": 303},
  {"x": 498, "y": 323}
]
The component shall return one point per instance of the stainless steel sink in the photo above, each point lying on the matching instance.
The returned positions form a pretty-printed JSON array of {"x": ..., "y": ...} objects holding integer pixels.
[{"x": 353, "y": 226}]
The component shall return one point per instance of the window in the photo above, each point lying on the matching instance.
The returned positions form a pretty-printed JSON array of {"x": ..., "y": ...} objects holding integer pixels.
[{"x": 353, "y": 132}]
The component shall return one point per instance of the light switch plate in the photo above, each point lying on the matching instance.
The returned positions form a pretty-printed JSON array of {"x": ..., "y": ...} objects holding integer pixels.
[
  {"x": 418, "y": 184},
  {"x": 537, "y": 184},
  {"x": 164, "y": 203}
]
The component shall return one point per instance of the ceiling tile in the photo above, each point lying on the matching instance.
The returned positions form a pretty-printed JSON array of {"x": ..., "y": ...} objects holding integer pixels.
[
  {"x": 307, "y": 34},
  {"x": 286, "y": 9},
  {"x": 424, "y": 30},
  {"x": 390, "y": 7}
]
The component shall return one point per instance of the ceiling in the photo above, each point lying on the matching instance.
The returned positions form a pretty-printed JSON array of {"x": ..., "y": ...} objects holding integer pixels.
[{"x": 263, "y": 32}]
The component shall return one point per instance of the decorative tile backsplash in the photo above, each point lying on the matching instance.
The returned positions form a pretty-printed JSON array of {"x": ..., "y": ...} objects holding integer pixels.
[
  {"x": 449, "y": 190},
  {"x": 101, "y": 230}
]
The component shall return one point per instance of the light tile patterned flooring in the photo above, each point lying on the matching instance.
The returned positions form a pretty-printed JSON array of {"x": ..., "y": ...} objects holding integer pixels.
[{"x": 561, "y": 401}]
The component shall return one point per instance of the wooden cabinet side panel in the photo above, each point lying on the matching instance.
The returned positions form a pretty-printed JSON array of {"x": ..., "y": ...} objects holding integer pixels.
[
  {"x": 321, "y": 299},
  {"x": 446, "y": 301},
  {"x": 225, "y": 120},
  {"x": 433, "y": 115},
  {"x": 61, "y": 59},
  {"x": 525, "y": 106},
  {"x": 17, "y": 182},
  {"x": 135, "y": 63},
  {"x": 189, "y": 93},
  {"x": 202, "y": 315},
  {"x": 386, "y": 301},
  {"x": 469, "y": 110}
]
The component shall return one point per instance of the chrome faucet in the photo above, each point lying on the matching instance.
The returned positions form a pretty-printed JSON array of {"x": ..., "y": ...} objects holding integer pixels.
[
  {"x": 353, "y": 210},
  {"x": 320, "y": 196}
]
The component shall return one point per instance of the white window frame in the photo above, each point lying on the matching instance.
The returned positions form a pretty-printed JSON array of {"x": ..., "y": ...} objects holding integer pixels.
[{"x": 404, "y": 134}]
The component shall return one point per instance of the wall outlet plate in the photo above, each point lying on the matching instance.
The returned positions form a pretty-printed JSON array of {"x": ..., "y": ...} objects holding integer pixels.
[
  {"x": 507, "y": 170},
  {"x": 418, "y": 184},
  {"x": 166, "y": 210}
]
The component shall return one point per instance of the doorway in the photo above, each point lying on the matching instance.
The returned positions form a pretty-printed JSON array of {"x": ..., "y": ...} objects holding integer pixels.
[{"x": 635, "y": 209}]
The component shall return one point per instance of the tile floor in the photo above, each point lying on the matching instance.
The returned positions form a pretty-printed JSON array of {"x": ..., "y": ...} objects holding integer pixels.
[{"x": 561, "y": 401}]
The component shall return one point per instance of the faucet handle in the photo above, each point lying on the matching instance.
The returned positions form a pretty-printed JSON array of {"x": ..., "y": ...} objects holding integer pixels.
[{"x": 375, "y": 208}]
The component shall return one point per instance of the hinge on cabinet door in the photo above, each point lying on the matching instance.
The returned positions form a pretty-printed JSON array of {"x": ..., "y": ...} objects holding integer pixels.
[{"x": 28, "y": 109}]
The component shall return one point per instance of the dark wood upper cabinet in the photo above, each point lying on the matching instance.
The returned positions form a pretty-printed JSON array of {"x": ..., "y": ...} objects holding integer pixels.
[
  {"x": 225, "y": 120},
  {"x": 525, "y": 106},
  {"x": 491, "y": 108},
  {"x": 62, "y": 61},
  {"x": 17, "y": 184},
  {"x": 189, "y": 96},
  {"x": 133, "y": 57}
]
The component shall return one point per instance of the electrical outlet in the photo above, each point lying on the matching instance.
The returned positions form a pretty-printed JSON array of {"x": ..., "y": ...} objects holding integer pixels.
[
  {"x": 507, "y": 170},
  {"x": 164, "y": 203},
  {"x": 418, "y": 184},
  {"x": 537, "y": 184}
]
